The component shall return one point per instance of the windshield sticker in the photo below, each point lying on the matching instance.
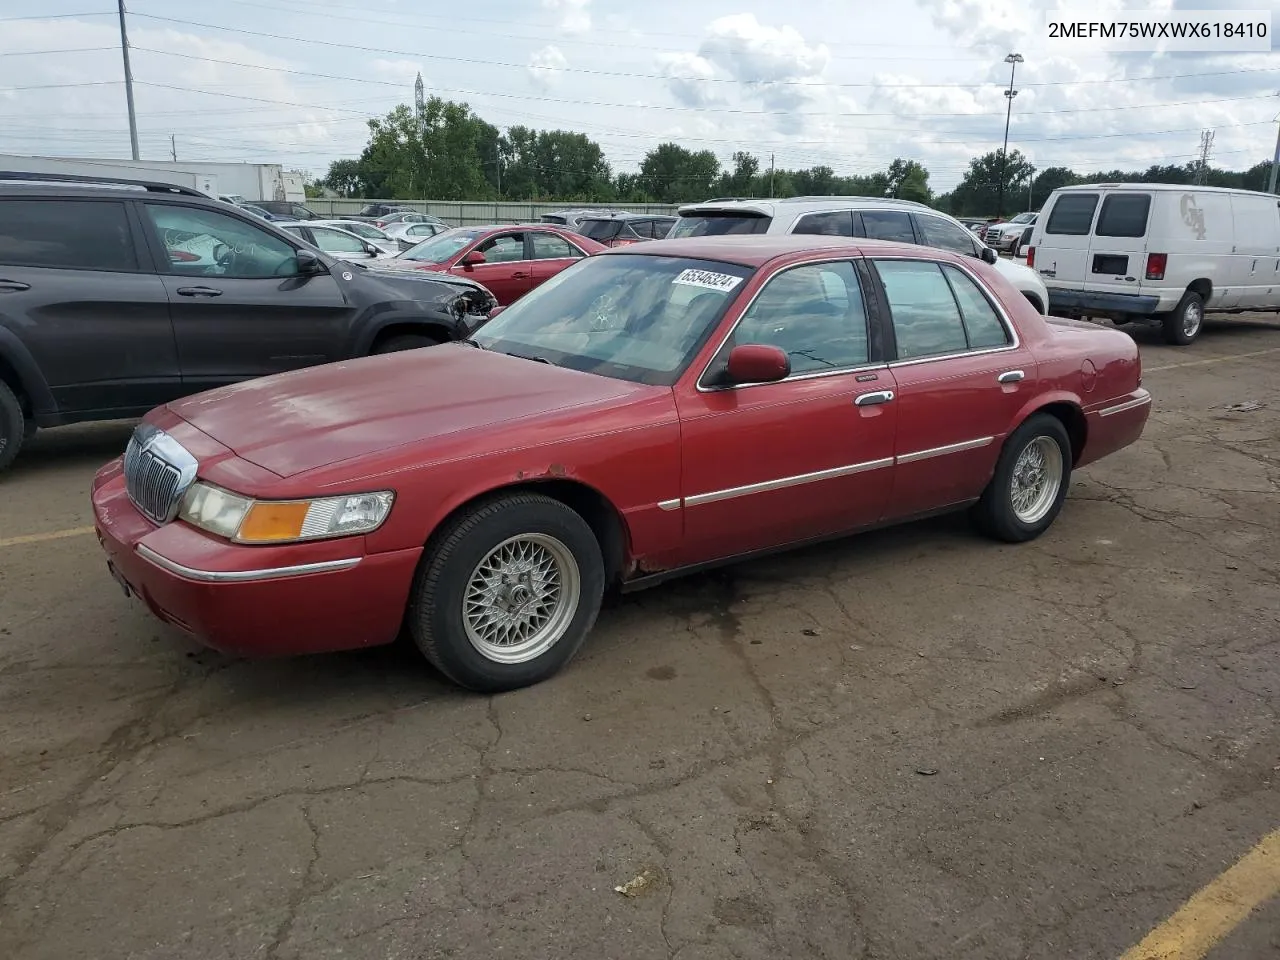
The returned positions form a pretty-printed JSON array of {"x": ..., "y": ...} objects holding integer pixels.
[{"x": 705, "y": 278}]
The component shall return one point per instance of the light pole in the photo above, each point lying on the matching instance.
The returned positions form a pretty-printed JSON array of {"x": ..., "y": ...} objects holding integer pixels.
[{"x": 1013, "y": 60}]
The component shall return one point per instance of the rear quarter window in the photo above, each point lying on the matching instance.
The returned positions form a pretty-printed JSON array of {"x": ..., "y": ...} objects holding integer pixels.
[
  {"x": 1072, "y": 214},
  {"x": 1124, "y": 215},
  {"x": 71, "y": 234},
  {"x": 715, "y": 225}
]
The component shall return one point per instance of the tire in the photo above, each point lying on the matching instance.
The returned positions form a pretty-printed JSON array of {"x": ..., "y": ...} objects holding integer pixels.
[
  {"x": 405, "y": 341},
  {"x": 13, "y": 425},
  {"x": 997, "y": 515},
  {"x": 1184, "y": 324},
  {"x": 475, "y": 654}
]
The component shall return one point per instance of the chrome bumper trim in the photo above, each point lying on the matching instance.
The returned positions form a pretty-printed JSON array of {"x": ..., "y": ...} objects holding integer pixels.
[
  {"x": 1127, "y": 405},
  {"x": 242, "y": 576}
]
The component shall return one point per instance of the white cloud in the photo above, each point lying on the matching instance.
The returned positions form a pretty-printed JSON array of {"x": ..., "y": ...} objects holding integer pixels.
[
  {"x": 575, "y": 17},
  {"x": 546, "y": 66},
  {"x": 687, "y": 75},
  {"x": 751, "y": 51}
]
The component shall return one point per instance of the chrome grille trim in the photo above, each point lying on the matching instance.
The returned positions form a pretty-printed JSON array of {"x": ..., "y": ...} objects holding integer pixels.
[{"x": 158, "y": 471}]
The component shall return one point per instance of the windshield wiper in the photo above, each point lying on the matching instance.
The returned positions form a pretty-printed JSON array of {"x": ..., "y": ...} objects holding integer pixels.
[
  {"x": 534, "y": 359},
  {"x": 475, "y": 343}
]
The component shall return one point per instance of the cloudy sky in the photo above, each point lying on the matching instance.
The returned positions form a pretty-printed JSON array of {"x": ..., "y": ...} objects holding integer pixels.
[{"x": 849, "y": 83}]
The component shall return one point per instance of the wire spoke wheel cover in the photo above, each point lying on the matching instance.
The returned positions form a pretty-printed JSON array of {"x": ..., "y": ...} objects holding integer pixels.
[
  {"x": 521, "y": 598},
  {"x": 1037, "y": 477}
]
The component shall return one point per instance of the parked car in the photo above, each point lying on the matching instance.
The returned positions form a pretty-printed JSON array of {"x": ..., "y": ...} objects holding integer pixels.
[
  {"x": 1005, "y": 233},
  {"x": 378, "y": 211},
  {"x": 509, "y": 260},
  {"x": 406, "y": 233},
  {"x": 288, "y": 210},
  {"x": 620, "y": 229},
  {"x": 656, "y": 409},
  {"x": 366, "y": 231},
  {"x": 1020, "y": 245},
  {"x": 116, "y": 295},
  {"x": 260, "y": 212},
  {"x": 903, "y": 221},
  {"x": 571, "y": 218},
  {"x": 1158, "y": 253},
  {"x": 338, "y": 243},
  {"x": 976, "y": 226},
  {"x": 392, "y": 219}
]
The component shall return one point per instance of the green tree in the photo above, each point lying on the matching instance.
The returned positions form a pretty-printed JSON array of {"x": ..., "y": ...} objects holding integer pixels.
[
  {"x": 553, "y": 164},
  {"x": 976, "y": 194},
  {"x": 672, "y": 174},
  {"x": 447, "y": 154},
  {"x": 345, "y": 177},
  {"x": 908, "y": 180},
  {"x": 742, "y": 181}
]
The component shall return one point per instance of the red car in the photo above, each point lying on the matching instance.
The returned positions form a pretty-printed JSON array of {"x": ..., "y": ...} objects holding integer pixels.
[
  {"x": 509, "y": 261},
  {"x": 657, "y": 409}
]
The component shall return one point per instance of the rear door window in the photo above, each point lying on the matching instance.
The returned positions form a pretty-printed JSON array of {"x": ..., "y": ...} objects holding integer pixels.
[
  {"x": 888, "y": 225},
  {"x": 1124, "y": 215},
  {"x": 947, "y": 235},
  {"x": 1072, "y": 214},
  {"x": 981, "y": 323},
  {"x": 71, "y": 234},
  {"x": 926, "y": 317},
  {"x": 837, "y": 223},
  {"x": 715, "y": 225}
]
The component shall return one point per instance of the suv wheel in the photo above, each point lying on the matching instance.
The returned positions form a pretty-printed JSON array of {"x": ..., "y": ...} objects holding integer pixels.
[{"x": 13, "y": 425}]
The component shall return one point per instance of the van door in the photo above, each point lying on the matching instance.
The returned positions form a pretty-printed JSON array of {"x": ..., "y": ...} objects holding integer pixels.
[
  {"x": 1063, "y": 250},
  {"x": 1196, "y": 231},
  {"x": 1118, "y": 247},
  {"x": 1255, "y": 264}
]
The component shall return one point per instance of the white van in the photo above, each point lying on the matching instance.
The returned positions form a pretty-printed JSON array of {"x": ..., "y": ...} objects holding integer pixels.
[{"x": 1157, "y": 252}]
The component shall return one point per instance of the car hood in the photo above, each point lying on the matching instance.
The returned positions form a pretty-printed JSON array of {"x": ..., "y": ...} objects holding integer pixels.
[{"x": 294, "y": 422}]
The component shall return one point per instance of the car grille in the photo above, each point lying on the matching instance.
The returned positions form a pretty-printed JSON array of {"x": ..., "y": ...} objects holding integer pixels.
[
  {"x": 157, "y": 473},
  {"x": 992, "y": 236}
]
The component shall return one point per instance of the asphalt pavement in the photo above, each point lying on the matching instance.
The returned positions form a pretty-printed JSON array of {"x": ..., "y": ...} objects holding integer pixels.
[{"x": 910, "y": 744}]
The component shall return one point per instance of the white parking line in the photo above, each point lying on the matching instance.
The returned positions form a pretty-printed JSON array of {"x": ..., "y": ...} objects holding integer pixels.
[
  {"x": 1201, "y": 363},
  {"x": 43, "y": 537}
]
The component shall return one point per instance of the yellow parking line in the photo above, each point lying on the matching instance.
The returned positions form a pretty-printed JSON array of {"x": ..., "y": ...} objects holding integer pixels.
[
  {"x": 1217, "y": 909},
  {"x": 42, "y": 537},
  {"x": 1201, "y": 363}
]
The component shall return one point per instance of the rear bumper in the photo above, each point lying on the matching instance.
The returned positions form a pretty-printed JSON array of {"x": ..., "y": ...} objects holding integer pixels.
[
  {"x": 1114, "y": 425},
  {"x": 249, "y": 601},
  {"x": 1084, "y": 301}
]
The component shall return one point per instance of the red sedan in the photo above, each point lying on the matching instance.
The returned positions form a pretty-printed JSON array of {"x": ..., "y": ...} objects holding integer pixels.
[
  {"x": 657, "y": 409},
  {"x": 508, "y": 260}
]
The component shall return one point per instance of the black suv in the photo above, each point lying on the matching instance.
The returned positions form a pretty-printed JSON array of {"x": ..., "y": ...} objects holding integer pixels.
[{"x": 118, "y": 296}]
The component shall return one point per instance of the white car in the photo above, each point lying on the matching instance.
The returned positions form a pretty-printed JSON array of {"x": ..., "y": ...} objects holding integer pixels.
[
  {"x": 366, "y": 231},
  {"x": 1005, "y": 234},
  {"x": 408, "y": 234},
  {"x": 1159, "y": 253},
  {"x": 339, "y": 244},
  {"x": 882, "y": 219}
]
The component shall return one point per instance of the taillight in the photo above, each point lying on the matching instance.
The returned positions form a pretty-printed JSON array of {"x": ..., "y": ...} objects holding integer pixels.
[
  {"x": 1156, "y": 262},
  {"x": 1031, "y": 256}
]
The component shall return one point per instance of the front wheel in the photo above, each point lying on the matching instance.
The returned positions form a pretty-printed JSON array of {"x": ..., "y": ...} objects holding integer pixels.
[
  {"x": 1030, "y": 482},
  {"x": 508, "y": 593}
]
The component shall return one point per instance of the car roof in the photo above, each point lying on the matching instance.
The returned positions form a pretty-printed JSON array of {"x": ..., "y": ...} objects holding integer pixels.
[
  {"x": 772, "y": 207},
  {"x": 755, "y": 250},
  {"x": 1159, "y": 187}
]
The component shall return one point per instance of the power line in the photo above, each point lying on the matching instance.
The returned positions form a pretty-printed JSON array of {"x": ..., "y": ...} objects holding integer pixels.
[
  {"x": 60, "y": 16},
  {"x": 645, "y": 76},
  {"x": 36, "y": 53}
]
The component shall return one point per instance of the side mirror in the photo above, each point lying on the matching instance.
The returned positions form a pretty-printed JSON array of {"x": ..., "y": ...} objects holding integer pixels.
[
  {"x": 370, "y": 249},
  {"x": 989, "y": 255},
  {"x": 472, "y": 258},
  {"x": 756, "y": 363},
  {"x": 308, "y": 262}
]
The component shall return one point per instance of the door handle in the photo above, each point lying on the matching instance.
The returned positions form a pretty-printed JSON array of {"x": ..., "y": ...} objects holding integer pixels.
[
  {"x": 17, "y": 286},
  {"x": 871, "y": 399},
  {"x": 199, "y": 292},
  {"x": 520, "y": 275},
  {"x": 1011, "y": 376}
]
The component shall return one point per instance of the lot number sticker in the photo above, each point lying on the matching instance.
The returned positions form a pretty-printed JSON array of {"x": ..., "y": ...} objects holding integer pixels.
[{"x": 705, "y": 278}]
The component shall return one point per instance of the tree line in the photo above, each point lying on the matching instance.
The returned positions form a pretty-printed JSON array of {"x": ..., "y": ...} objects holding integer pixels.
[{"x": 448, "y": 152}]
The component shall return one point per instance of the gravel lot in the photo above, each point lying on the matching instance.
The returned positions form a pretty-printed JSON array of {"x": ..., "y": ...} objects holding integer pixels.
[{"x": 912, "y": 744}]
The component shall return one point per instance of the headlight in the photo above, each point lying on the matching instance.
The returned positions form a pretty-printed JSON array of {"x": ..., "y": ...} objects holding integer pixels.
[{"x": 283, "y": 521}]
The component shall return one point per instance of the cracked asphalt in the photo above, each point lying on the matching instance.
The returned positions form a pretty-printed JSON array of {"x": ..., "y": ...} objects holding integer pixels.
[{"x": 911, "y": 744}]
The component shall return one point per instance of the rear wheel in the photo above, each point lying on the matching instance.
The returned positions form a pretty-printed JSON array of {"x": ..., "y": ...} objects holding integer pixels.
[
  {"x": 1184, "y": 323},
  {"x": 405, "y": 341},
  {"x": 13, "y": 425},
  {"x": 508, "y": 593},
  {"x": 1030, "y": 482}
]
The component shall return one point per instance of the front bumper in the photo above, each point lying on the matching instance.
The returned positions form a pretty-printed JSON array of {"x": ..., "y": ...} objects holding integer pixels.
[{"x": 253, "y": 601}]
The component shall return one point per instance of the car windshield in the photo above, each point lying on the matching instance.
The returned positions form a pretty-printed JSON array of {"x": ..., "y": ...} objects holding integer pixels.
[
  {"x": 441, "y": 247},
  {"x": 719, "y": 224},
  {"x": 630, "y": 317}
]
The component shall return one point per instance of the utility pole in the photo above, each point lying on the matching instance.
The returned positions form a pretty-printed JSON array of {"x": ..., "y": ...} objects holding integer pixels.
[
  {"x": 173, "y": 147},
  {"x": 1206, "y": 148},
  {"x": 1275, "y": 162},
  {"x": 128, "y": 82},
  {"x": 771, "y": 193},
  {"x": 1013, "y": 60}
]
